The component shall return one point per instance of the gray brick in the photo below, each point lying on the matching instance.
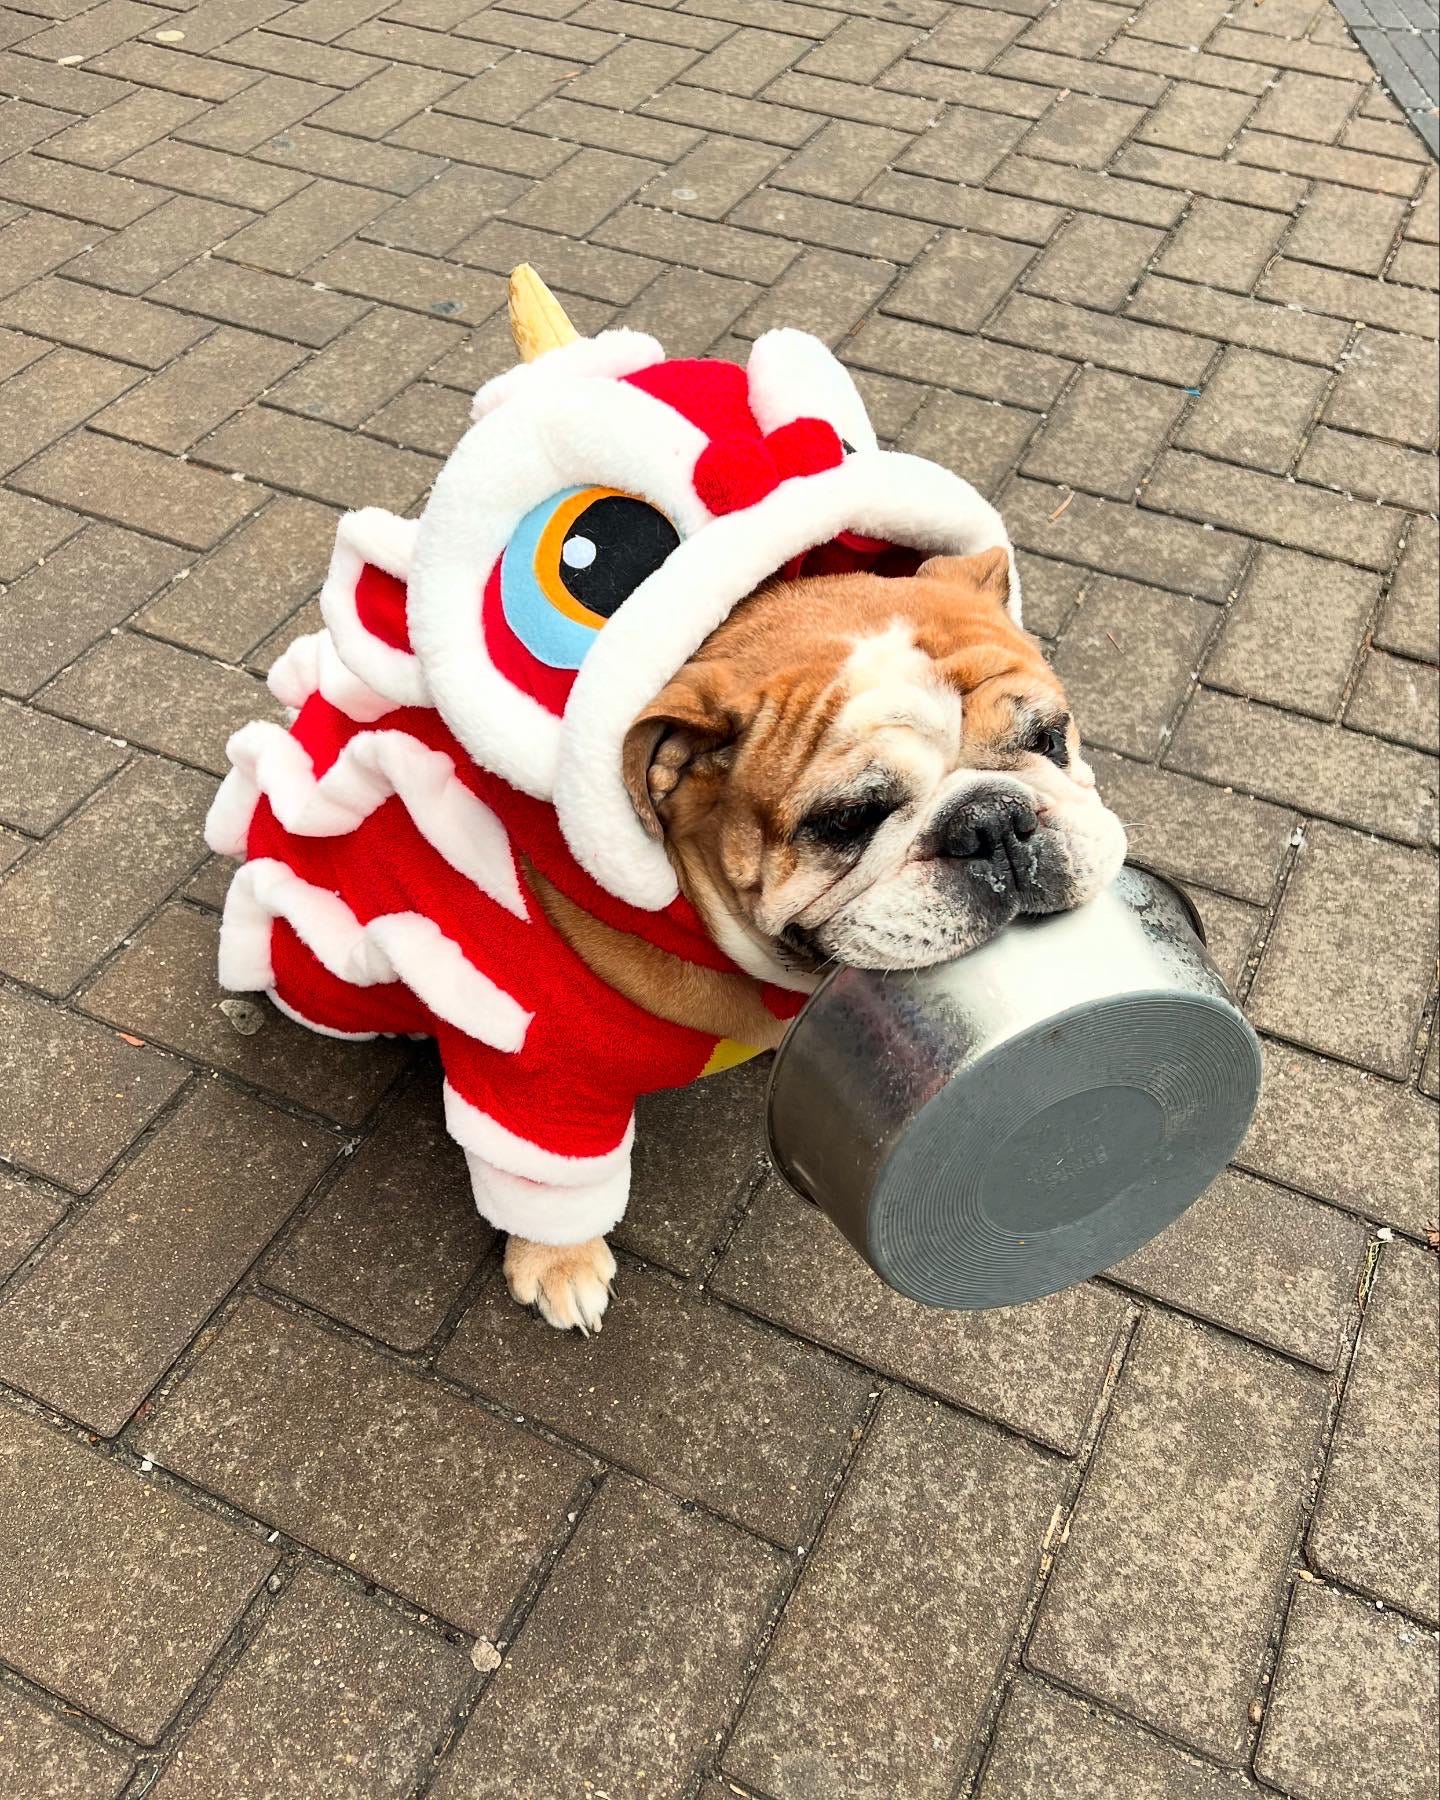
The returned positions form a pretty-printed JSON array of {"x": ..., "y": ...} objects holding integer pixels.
[
  {"x": 941, "y": 1518},
  {"x": 821, "y": 292},
  {"x": 1086, "y": 191},
  {"x": 1371, "y": 470},
  {"x": 1093, "y": 262},
  {"x": 1236, "y": 320},
  {"x": 789, "y": 1265},
  {"x": 1218, "y": 180},
  {"x": 1345, "y": 228},
  {"x": 1204, "y": 1435},
  {"x": 1127, "y": 659},
  {"x": 28, "y": 1210},
  {"x": 1293, "y": 634},
  {"x": 334, "y": 1692},
  {"x": 842, "y": 160},
  {"x": 979, "y": 438},
  {"x": 162, "y": 987},
  {"x": 1083, "y": 130},
  {"x": 47, "y": 767},
  {"x": 1266, "y": 507},
  {"x": 392, "y": 1244},
  {"x": 1336, "y": 774},
  {"x": 1387, "y": 386},
  {"x": 350, "y": 379},
  {"x": 41, "y": 1749},
  {"x": 1261, "y": 1262},
  {"x": 964, "y": 208},
  {"x": 431, "y": 1495},
  {"x": 97, "y": 876},
  {"x": 813, "y": 220},
  {"x": 632, "y": 1662},
  {"x": 923, "y": 353},
  {"x": 1254, "y": 410},
  {"x": 1114, "y": 343},
  {"x": 1399, "y": 699},
  {"x": 1195, "y": 118},
  {"x": 96, "y": 1323},
  {"x": 1106, "y": 433},
  {"x": 746, "y": 62},
  {"x": 1122, "y": 540},
  {"x": 117, "y": 1593},
  {"x": 713, "y": 177},
  {"x": 965, "y": 146},
  {"x": 319, "y": 460},
  {"x": 1375, "y": 174},
  {"x": 1221, "y": 244},
  {"x": 1409, "y": 620},
  {"x": 1351, "y": 297},
  {"x": 621, "y": 1395},
  {"x": 44, "y": 401},
  {"x": 1353, "y": 1707},
  {"x": 199, "y": 390},
  {"x": 1352, "y": 903}
]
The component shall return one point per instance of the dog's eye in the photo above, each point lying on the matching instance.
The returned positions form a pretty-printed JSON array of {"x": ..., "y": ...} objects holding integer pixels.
[
  {"x": 573, "y": 563},
  {"x": 847, "y": 827},
  {"x": 1050, "y": 741}
]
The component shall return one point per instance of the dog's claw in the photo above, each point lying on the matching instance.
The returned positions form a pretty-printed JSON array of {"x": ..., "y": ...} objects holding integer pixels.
[{"x": 569, "y": 1285}]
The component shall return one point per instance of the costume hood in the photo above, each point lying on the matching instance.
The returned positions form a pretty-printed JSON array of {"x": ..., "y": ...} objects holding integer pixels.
[{"x": 603, "y": 514}]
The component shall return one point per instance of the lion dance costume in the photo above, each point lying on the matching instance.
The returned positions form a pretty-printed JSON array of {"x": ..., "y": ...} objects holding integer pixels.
[{"x": 464, "y": 709}]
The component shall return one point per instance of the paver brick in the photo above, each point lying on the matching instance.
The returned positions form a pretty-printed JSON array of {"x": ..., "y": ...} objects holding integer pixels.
[
  {"x": 1292, "y": 636},
  {"x": 1225, "y": 245},
  {"x": 133, "y": 331},
  {"x": 199, "y": 390},
  {"x": 713, "y": 249},
  {"x": 964, "y": 208},
  {"x": 1114, "y": 343},
  {"x": 318, "y": 460},
  {"x": 1189, "y": 1509},
  {"x": 502, "y": 93},
  {"x": 384, "y": 100},
  {"x": 582, "y": 192},
  {"x": 971, "y": 37},
  {"x": 993, "y": 371},
  {"x": 336, "y": 1695},
  {"x": 1254, "y": 410},
  {"x": 1093, "y": 262},
  {"x": 1353, "y": 297},
  {"x": 1388, "y": 386},
  {"x": 671, "y": 1389},
  {"x": 1375, "y": 174},
  {"x": 699, "y": 1150},
  {"x": 1196, "y": 118},
  {"x": 733, "y": 113},
  {"x": 256, "y": 579},
  {"x": 138, "y": 487},
  {"x": 424, "y": 284},
  {"x": 1037, "y": 1368},
  {"x": 82, "y": 591},
  {"x": 348, "y": 381},
  {"x": 842, "y": 160},
  {"x": 117, "y": 1593},
  {"x": 103, "y": 139},
  {"x": 299, "y": 231},
  {"x": 631, "y": 1663},
  {"x": 940, "y": 1519},
  {"x": 1105, "y": 434},
  {"x": 214, "y": 174},
  {"x": 823, "y": 292},
  {"x": 1127, "y": 660},
  {"x": 1371, "y": 469},
  {"x": 100, "y": 873},
  {"x": 445, "y": 212},
  {"x": 175, "y": 71},
  {"x": 713, "y": 177},
  {"x": 567, "y": 120},
  {"x": 256, "y": 113},
  {"x": 165, "y": 240},
  {"x": 1341, "y": 775},
  {"x": 1346, "y": 228},
  {"x": 1397, "y": 698},
  {"x": 27, "y": 1212},
  {"x": 1260, "y": 1261},
  {"x": 34, "y": 243},
  {"x": 1263, "y": 505},
  {"x": 1122, "y": 540},
  {"x": 965, "y": 146},
  {"x": 47, "y": 767},
  {"x": 1205, "y": 175},
  {"x": 96, "y": 1323},
  {"x": 1353, "y": 1707},
  {"x": 1409, "y": 621},
  {"x": 89, "y": 194},
  {"x": 1374, "y": 1526},
  {"x": 28, "y": 528},
  {"x": 1083, "y": 130},
  {"x": 359, "y": 161},
  {"x": 163, "y": 987},
  {"x": 166, "y": 699},
  {"x": 981, "y": 437},
  {"x": 382, "y": 1470},
  {"x": 390, "y": 1247},
  {"x": 44, "y": 1751},
  {"x": 43, "y": 401},
  {"x": 1307, "y": 106},
  {"x": 1352, "y": 903},
  {"x": 1237, "y": 320},
  {"x": 95, "y": 30},
  {"x": 1049, "y": 1742}
]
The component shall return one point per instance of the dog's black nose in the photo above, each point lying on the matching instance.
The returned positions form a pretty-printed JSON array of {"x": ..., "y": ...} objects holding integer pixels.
[{"x": 991, "y": 827}]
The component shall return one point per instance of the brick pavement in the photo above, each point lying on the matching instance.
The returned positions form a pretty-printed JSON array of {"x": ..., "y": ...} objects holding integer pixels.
[{"x": 278, "y": 1463}]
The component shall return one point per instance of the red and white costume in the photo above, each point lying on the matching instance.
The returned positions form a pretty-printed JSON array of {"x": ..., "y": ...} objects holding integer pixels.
[{"x": 466, "y": 706}]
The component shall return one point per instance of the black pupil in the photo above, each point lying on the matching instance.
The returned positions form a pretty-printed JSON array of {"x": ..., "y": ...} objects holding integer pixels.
[{"x": 611, "y": 548}]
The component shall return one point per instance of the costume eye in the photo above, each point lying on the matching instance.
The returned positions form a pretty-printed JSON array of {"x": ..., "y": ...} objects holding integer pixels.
[
  {"x": 573, "y": 563},
  {"x": 848, "y": 827},
  {"x": 1050, "y": 741}
]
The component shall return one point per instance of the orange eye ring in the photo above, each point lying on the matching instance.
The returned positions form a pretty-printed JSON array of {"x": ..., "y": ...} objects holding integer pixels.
[{"x": 548, "y": 554}]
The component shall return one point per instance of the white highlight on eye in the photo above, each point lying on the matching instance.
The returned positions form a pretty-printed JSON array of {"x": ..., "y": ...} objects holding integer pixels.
[
  {"x": 577, "y": 552},
  {"x": 892, "y": 682}
]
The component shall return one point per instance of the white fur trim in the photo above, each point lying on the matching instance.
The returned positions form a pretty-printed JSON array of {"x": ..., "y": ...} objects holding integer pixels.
[
  {"x": 312, "y": 666},
  {"x": 371, "y": 535},
  {"x": 611, "y": 353},
  {"x": 552, "y": 436},
  {"x": 902, "y": 499},
  {"x": 535, "y": 1193},
  {"x": 395, "y": 947},
  {"x": 372, "y": 767},
  {"x": 793, "y": 376}
]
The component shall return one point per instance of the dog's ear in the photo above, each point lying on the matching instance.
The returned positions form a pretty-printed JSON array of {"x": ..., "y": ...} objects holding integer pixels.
[
  {"x": 693, "y": 721},
  {"x": 985, "y": 575}
]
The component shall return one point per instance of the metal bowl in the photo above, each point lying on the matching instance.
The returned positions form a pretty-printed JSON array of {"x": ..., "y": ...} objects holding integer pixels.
[{"x": 1007, "y": 1124}]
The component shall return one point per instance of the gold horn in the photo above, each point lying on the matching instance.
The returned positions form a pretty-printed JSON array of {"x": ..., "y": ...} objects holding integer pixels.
[{"x": 537, "y": 319}]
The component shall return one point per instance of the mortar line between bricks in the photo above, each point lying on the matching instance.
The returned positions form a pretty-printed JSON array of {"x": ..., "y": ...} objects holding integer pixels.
[
  {"x": 1013, "y": 1662},
  {"x": 792, "y": 1573},
  {"x": 66, "y": 1712}
]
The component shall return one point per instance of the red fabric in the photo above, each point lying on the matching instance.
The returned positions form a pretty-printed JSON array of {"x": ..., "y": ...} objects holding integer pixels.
[
  {"x": 380, "y": 602},
  {"x": 551, "y": 687},
  {"x": 588, "y": 1052}
]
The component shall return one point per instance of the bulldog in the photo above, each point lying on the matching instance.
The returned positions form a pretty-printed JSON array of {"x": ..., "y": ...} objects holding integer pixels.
[
  {"x": 853, "y": 769},
  {"x": 680, "y": 690}
]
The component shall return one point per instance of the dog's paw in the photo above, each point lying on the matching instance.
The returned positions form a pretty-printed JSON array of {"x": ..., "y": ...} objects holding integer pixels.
[{"x": 568, "y": 1284}]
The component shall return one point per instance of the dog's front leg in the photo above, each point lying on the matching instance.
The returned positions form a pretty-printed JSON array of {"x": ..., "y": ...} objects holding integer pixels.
[{"x": 569, "y": 1285}]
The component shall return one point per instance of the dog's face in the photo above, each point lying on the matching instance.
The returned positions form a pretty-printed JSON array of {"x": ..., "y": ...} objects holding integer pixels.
[{"x": 873, "y": 771}]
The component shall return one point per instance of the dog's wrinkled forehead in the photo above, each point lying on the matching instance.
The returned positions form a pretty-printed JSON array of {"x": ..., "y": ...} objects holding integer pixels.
[{"x": 891, "y": 683}]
